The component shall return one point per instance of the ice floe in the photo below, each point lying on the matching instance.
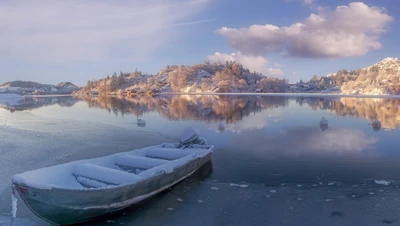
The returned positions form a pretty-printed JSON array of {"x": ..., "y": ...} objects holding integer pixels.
[
  {"x": 382, "y": 182},
  {"x": 239, "y": 185}
]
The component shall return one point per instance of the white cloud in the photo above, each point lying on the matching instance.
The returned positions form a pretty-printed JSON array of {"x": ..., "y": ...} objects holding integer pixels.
[
  {"x": 257, "y": 121},
  {"x": 305, "y": 140},
  {"x": 274, "y": 72},
  {"x": 294, "y": 73},
  {"x": 331, "y": 140},
  {"x": 254, "y": 63},
  {"x": 279, "y": 65},
  {"x": 74, "y": 30},
  {"x": 347, "y": 31}
]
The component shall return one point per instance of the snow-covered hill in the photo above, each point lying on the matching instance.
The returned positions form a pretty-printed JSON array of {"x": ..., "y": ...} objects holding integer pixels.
[
  {"x": 381, "y": 78},
  {"x": 198, "y": 78},
  {"x": 34, "y": 88}
]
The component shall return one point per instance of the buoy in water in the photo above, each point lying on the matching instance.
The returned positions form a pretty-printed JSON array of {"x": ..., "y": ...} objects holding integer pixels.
[
  {"x": 376, "y": 125},
  {"x": 323, "y": 124},
  {"x": 141, "y": 122},
  {"x": 221, "y": 127}
]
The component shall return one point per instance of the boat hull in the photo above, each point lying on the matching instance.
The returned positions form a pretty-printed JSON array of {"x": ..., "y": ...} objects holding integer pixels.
[{"x": 69, "y": 206}]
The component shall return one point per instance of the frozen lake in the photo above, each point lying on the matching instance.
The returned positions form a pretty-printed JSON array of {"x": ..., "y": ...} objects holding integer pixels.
[{"x": 273, "y": 163}]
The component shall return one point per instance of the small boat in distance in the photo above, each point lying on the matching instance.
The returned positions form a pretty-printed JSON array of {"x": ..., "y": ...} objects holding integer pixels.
[{"x": 80, "y": 191}]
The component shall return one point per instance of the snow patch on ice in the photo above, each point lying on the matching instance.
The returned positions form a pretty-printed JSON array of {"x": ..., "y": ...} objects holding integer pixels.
[
  {"x": 328, "y": 200},
  {"x": 239, "y": 185},
  {"x": 179, "y": 200},
  {"x": 382, "y": 182},
  {"x": 214, "y": 188},
  {"x": 272, "y": 191}
]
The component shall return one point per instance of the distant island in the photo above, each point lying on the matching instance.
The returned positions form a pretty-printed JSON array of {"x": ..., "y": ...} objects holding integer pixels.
[
  {"x": 34, "y": 88},
  {"x": 382, "y": 78}
]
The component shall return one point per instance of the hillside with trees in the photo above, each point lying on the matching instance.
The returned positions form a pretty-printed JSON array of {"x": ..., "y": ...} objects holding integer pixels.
[
  {"x": 199, "y": 78},
  {"x": 382, "y": 78}
]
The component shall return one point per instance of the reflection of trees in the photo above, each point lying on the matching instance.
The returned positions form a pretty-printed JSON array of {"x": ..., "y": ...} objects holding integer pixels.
[
  {"x": 384, "y": 110},
  {"x": 28, "y": 103},
  {"x": 190, "y": 107}
]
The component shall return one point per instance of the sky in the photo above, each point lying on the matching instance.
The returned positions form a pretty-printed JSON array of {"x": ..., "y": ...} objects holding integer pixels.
[{"x": 51, "y": 41}]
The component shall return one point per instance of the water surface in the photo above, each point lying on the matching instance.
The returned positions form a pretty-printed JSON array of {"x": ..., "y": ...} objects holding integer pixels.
[{"x": 267, "y": 141}]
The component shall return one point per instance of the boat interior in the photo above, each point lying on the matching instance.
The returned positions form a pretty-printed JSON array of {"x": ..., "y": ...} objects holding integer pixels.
[
  {"x": 113, "y": 170},
  {"x": 128, "y": 167}
]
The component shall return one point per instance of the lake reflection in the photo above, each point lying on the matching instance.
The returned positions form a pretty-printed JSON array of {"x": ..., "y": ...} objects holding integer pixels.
[
  {"x": 232, "y": 109},
  {"x": 257, "y": 133},
  {"x": 266, "y": 142}
]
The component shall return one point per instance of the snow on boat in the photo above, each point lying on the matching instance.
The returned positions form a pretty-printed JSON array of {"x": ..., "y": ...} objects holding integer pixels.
[{"x": 80, "y": 191}]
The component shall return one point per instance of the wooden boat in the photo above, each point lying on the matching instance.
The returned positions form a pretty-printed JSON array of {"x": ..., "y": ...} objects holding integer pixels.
[{"x": 80, "y": 191}]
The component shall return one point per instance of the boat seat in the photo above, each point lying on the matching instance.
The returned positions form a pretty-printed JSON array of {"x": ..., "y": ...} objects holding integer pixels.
[
  {"x": 167, "y": 153},
  {"x": 95, "y": 176},
  {"x": 138, "y": 162}
]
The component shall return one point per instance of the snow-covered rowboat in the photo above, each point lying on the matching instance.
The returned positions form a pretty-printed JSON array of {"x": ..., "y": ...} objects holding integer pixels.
[{"x": 80, "y": 191}]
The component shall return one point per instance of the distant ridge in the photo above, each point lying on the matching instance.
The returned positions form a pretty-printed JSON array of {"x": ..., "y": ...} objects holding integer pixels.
[{"x": 34, "y": 88}]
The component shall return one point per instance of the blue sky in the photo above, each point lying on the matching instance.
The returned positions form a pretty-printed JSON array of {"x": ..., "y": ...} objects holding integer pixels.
[{"x": 54, "y": 41}]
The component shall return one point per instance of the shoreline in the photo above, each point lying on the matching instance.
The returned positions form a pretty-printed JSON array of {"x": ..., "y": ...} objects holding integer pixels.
[
  {"x": 288, "y": 94},
  {"x": 267, "y": 94},
  {"x": 240, "y": 94}
]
